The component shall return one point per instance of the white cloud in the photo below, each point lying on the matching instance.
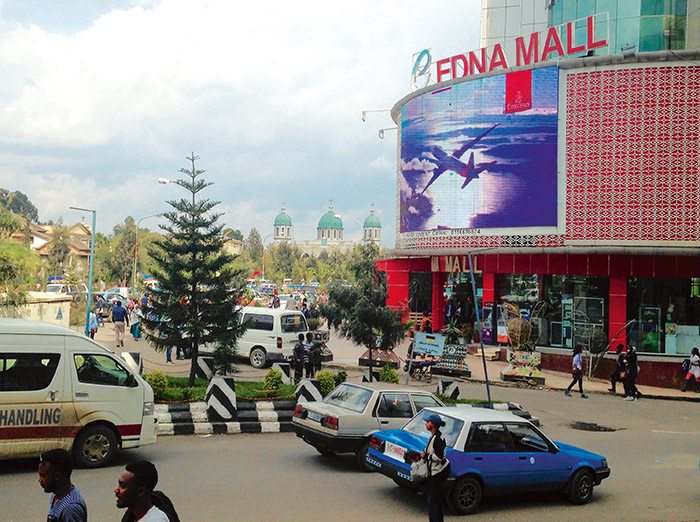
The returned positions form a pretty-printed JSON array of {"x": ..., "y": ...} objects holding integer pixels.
[{"x": 269, "y": 94}]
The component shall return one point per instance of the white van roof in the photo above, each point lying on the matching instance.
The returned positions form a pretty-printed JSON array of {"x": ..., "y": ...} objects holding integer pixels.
[
  {"x": 267, "y": 311},
  {"x": 25, "y": 326}
]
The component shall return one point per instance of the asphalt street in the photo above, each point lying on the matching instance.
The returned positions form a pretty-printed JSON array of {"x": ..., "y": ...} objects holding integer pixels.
[{"x": 653, "y": 455}]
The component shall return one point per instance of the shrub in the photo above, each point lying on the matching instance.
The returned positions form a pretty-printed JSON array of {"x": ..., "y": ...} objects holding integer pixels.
[
  {"x": 327, "y": 381},
  {"x": 388, "y": 374},
  {"x": 313, "y": 323},
  {"x": 158, "y": 381},
  {"x": 341, "y": 376},
  {"x": 224, "y": 357},
  {"x": 273, "y": 381}
]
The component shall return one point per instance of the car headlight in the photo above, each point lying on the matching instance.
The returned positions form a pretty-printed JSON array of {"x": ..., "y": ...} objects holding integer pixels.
[{"x": 148, "y": 408}]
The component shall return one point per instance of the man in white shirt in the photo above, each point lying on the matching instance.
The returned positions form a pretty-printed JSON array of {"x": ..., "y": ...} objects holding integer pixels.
[{"x": 134, "y": 492}]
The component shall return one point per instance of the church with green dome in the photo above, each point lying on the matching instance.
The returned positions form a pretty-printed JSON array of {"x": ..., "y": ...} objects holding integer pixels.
[{"x": 329, "y": 232}]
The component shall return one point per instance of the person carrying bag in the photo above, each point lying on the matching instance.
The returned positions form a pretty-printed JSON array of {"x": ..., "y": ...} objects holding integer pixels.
[{"x": 437, "y": 466}]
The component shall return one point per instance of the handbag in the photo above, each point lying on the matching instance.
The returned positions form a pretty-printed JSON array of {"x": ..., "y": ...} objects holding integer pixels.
[{"x": 420, "y": 470}]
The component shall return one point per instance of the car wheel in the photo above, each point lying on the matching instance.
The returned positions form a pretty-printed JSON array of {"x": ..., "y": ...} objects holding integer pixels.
[
  {"x": 258, "y": 358},
  {"x": 95, "y": 447},
  {"x": 325, "y": 452},
  {"x": 466, "y": 495},
  {"x": 361, "y": 455},
  {"x": 581, "y": 487}
]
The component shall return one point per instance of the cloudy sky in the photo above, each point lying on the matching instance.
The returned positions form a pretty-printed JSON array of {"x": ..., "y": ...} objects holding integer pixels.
[{"x": 100, "y": 98}]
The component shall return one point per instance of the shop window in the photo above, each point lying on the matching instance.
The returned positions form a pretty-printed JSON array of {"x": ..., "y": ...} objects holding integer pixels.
[{"x": 420, "y": 291}]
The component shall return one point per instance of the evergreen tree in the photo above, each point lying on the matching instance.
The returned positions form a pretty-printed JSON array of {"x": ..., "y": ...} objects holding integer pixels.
[
  {"x": 360, "y": 312},
  {"x": 196, "y": 302}
]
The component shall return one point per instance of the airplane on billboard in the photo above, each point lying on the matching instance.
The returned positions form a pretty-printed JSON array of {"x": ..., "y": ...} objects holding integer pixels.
[{"x": 453, "y": 162}]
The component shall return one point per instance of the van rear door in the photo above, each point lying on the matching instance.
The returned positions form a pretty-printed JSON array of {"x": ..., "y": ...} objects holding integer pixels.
[
  {"x": 33, "y": 394},
  {"x": 291, "y": 325}
]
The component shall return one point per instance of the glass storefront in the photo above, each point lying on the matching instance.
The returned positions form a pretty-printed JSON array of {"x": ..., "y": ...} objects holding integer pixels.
[
  {"x": 666, "y": 314},
  {"x": 561, "y": 308}
]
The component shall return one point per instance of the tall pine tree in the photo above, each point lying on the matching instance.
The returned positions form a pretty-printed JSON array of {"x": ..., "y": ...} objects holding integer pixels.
[{"x": 196, "y": 301}]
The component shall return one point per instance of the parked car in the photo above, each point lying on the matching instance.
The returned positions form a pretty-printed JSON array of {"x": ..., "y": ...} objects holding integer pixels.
[
  {"x": 490, "y": 453},
  {"x": 346, "y": 419},
  {"x": 76, "y": 291}
]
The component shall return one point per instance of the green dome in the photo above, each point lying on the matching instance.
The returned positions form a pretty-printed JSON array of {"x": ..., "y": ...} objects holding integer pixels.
[
  {"x": 328, "y": 220},
  {"x": 372, "y": 221},
  {"x": 283, "y": 219}
]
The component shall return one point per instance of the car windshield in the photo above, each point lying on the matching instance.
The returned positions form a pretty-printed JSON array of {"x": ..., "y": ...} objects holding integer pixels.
[
  {"x": 53, "y": 288},
  {"x": 450, "y": 430},
  {"x": 350, "y": 397}
]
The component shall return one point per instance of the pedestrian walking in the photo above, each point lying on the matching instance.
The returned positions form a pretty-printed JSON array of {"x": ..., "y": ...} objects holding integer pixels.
[
  {"x": 92, "y": 324},
  {"x": 438, "y": 466},
  {"x": 66, "y": 504},
  {"x": 291, "y": 303},
  {"x": 119, "y": 317},
  {"x": 135, "y": 492},
  {"x": 618, "y": 374},
  {"x": 100, "y": 309},
  {"x": 135, "y": 319},
  {"x": 577, "y": 373},
  {"x": 298, "y": 358},
  {"x": 631, "y": 372},
  {"x": 308, "y": 364},
  {"x": 693, "y": 370}
]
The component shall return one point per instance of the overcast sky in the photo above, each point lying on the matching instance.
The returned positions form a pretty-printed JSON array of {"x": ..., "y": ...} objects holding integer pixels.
[{"x": 100, "y": 98}]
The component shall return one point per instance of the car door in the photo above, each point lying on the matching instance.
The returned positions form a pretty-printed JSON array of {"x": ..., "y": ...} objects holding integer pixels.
[
  {"x": 392, "y": 411},
  {"x": 33, "y": 395},
  {"x": 489, "y": 449},
  {"x": 539, "y": 467}
]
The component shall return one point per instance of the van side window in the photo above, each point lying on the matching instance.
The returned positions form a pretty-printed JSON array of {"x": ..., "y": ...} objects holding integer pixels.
[
  {"x": 259, "y": 321},
  {"x": 293, "y": 323},
  {"x": 27, "y": 371},
  {"x": 100, "y": 369}
]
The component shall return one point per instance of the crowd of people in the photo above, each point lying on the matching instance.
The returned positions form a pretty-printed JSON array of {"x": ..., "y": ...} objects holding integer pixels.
[{"x": 126, "y": 312}]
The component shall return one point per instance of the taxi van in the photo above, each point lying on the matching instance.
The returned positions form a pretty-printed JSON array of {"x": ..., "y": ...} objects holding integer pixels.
[{"x": 60, "y": 389}]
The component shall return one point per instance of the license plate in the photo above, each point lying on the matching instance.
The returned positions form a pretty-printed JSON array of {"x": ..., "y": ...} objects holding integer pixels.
[
  {"x": 315, "y": 416},
  {"x": 394, "y": 451}
]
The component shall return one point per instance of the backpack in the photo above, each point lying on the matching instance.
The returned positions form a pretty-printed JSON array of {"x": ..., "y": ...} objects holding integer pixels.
[
  {"x": 685, "y": 367},
  {"x": 162, "y": 502}
]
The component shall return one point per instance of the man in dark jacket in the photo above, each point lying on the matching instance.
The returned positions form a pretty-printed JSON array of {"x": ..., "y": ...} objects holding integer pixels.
[
  {"x": 298, "y": 358},
  {"x": 120, "y": 317},
  {"x": 616, "y": 375},
  {"x": 135, "y": 492}
]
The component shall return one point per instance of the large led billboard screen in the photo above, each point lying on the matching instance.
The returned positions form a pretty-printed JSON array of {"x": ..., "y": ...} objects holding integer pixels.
[{"x": 481, "y": 154}]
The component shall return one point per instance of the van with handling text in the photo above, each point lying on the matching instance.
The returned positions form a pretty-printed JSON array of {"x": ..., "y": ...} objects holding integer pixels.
[{"x": 60, "y": 389}]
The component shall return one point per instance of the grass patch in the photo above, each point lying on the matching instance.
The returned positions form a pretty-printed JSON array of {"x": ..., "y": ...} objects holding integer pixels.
[{"x": 178, "y": 390}]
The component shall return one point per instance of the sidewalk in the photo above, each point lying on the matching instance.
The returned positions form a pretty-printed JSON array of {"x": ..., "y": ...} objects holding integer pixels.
[{"x": 346, "y": 355}]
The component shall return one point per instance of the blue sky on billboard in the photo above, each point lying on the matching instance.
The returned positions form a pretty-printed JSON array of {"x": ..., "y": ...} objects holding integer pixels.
[
  {"x": 100, "y": 99},
  {"x": 467, "y": 164}
]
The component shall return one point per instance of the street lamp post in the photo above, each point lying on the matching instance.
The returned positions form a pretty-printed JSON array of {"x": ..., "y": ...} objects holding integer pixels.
[
  {"x": 362, "y": 226},
  {"x": 136, "y": 251},
  {"x": 263, "y": 255},
  {"x": 92, "y": 261}
]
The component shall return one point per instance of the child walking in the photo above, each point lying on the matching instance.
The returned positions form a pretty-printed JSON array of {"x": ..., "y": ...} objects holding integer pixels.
[{"x": 577, "y": 373}]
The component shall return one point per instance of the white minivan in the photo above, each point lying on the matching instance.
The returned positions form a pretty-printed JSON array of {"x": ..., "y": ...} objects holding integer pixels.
[
  {"x": 60, "y": 389},
  {"x": 271, "y": 334}
]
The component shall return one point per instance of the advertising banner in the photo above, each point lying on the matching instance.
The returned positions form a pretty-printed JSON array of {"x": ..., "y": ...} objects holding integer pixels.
[{"x": 429, "y": 344}]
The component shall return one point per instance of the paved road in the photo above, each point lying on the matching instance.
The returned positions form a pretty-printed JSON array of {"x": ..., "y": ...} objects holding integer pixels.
[{"x": 653, "y": 456}]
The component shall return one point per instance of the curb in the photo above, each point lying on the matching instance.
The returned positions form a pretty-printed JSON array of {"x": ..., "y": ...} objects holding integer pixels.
[{"x": 253, "y": 417}]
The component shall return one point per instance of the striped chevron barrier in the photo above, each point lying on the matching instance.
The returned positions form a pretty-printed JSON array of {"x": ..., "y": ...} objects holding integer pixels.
[
  {"x": 286, "y": 369},
  {"x": 251, "y": 417},
  {"x": 449, "y": 388},
  {"x": 221, "y": 399},
  {"x": 308, "y": 390},
  {"x": 205, "y": 367}
]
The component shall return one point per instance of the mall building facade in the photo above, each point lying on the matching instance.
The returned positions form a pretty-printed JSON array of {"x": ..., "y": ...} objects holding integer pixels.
[{"x": 563, "y": 159}]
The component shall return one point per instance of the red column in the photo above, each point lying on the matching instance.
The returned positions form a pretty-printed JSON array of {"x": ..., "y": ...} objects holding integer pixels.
[
  {"x": 489, "y": 287},
  {"x": 618, "y": 308},
  {"x": 438, "y": 301},
  {"x": 397, "y": 273}
]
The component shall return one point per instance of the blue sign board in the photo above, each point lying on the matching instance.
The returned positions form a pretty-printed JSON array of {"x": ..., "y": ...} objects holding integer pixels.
[{"x": 429, "y": 344}]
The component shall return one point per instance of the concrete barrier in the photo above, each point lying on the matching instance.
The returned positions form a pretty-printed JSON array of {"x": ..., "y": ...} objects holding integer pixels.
[
  {"x": 308, "y": 390},
  {"x": 449, "y": 388},
  {"x": 205, "y": 367},
  {"x": 365, "y": 376},
  {"x": 286, "y": 369},
  {"x": 221, "y": 399}
]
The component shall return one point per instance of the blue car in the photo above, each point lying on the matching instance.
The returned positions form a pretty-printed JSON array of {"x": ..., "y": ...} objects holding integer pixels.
[{"x": 490, "y": 453}]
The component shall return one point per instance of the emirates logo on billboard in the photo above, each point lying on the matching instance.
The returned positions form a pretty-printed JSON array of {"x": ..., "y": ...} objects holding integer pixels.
[{"x": 518, "y": 91}]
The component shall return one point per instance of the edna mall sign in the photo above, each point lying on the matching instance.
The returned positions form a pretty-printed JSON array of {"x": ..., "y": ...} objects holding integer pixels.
[{"x": 567, "y": 39}]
